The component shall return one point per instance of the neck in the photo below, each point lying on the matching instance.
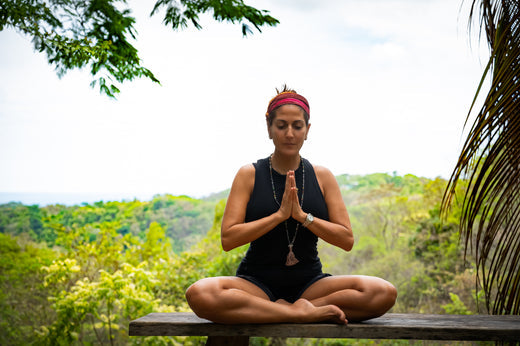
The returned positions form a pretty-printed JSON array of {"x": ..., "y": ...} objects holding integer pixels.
[{"x": 283, "y": 164}]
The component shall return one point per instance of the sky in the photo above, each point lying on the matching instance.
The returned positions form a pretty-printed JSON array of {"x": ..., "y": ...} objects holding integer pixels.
[{"x": 389, "y": 84}]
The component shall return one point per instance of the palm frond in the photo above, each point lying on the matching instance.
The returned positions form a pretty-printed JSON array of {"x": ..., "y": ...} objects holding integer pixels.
[{"x": 490, "y": 162}]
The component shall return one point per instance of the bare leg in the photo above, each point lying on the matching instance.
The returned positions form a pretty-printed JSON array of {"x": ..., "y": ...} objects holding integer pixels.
[
  {"x": 360, "y": 297},
  {"x": 233, "y": 300}
]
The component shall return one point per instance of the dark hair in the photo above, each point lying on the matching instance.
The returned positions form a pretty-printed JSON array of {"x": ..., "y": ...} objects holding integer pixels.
[{"x": 272, "y": 114}]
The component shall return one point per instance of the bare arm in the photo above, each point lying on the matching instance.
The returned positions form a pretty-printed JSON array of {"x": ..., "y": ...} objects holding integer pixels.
[
  {"x": 235, "y": 231},
  {"x": 337, "y": 231}
]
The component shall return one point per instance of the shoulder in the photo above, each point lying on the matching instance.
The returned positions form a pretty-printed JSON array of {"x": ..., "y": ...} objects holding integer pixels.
[
  {"x": 326, "y": 179},
  {"x": 245, "y": 178},
  {"x": 246, "y": 171},
  {"x": 323, "y": 172},
  {"x": 320, "y": 171}
]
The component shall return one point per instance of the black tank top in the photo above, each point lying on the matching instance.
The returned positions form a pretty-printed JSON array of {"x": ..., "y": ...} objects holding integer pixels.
[{"x": 270, "y": 250}]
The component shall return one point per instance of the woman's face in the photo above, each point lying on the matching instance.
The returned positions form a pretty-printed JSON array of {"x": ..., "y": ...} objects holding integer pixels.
[{"x": 288, "y": 130}]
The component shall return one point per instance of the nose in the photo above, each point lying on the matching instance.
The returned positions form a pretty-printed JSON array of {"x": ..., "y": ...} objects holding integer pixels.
[{"x": 290, "y": 132}]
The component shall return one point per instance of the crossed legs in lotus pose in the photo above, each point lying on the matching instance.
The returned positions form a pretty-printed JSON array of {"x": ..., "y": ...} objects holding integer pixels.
[{"x": 336, "y": 299}]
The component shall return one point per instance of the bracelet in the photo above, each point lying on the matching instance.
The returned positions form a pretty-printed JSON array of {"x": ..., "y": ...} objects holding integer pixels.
[{"x": 308, "y": 220}]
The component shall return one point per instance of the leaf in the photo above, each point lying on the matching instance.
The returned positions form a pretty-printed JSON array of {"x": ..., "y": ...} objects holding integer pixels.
[{"x": 490, "y": 162}]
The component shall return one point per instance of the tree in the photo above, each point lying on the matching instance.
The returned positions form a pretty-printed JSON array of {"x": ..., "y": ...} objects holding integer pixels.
[
  {"x": 22, "y": 289},
  {"x": 490, "y": 162},
  {"x": 98, "y": 285},
  {"x": 97, "y": 33}
]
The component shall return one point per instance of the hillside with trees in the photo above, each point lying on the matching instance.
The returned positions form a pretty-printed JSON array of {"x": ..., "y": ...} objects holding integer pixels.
[
  {"x": 79, "y": 274},
  {"x": 185, "y": 220}
]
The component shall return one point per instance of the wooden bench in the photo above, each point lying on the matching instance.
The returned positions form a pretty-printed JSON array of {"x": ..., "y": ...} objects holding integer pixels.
[{"x": 389, "y": 326}]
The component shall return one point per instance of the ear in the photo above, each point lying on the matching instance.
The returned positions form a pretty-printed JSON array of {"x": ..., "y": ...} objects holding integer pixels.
[
  {"x": 308, "y": 128},
  {"x": 269, "y": 129}
]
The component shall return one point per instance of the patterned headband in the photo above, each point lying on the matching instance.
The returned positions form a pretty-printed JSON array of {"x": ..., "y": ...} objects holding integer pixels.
[{"x": 288, "y": 98}]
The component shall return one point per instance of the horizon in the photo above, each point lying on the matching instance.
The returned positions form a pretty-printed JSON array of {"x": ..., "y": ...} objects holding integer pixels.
[{"x": 43, "y": 199}]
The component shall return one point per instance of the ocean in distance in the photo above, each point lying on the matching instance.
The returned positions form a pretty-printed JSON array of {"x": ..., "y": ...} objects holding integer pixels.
[{"x": 68, "y": 199}]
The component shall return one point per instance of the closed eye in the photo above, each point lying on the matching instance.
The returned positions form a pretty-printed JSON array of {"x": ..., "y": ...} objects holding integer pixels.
[{"x": 297, "y": 125}]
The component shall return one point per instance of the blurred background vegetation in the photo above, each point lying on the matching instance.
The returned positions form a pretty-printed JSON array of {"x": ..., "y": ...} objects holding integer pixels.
[{"x": 79, "y": 274}]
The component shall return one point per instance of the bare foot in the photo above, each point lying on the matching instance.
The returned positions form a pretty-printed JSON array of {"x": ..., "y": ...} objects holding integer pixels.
[
  {"x": 309, "y": 313},
  {"x": 283, "y": 302}
]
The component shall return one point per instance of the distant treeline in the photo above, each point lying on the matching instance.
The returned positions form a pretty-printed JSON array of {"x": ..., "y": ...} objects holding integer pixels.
[{"x": 185, "y": 220}]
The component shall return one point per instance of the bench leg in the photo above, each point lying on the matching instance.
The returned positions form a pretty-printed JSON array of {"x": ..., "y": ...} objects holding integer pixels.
[{"x": 227, "y": 341}]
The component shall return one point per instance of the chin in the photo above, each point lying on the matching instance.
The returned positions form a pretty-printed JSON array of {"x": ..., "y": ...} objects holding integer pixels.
[{"x": 288, "y": 151}]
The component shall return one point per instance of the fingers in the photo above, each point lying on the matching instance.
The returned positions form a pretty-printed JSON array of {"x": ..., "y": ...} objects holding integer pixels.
[
  {"x": 290, "y": 180},
  {"x": 290, "y": 205},
  {"x": 286, "y": 203},
  {"x": 297, "y": 212},
  {"x": 296, "y": 209},
  {"x": 290, "y": 186}
]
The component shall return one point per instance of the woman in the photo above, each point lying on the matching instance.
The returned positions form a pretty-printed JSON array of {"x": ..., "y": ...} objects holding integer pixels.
[{"x": 282, "y": 205}]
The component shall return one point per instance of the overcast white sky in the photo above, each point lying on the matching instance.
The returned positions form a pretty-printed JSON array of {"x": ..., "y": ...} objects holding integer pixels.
[{"x": 389, "y": 84}]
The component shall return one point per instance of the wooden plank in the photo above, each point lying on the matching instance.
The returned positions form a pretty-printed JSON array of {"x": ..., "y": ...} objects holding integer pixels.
[{"x": 389, "y": 326}]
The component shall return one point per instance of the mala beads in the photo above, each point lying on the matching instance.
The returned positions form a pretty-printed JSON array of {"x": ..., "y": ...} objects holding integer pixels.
[{"x": 291, "y": 258}]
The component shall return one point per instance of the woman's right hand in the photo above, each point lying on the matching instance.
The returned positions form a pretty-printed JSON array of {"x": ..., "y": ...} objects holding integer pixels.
[
  {"x": 286, "y": 204},
  {"x": 234, "y": 230}
]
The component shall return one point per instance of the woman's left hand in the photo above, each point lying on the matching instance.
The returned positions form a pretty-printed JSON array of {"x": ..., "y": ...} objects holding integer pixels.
[{"x": 296, "y": 211}]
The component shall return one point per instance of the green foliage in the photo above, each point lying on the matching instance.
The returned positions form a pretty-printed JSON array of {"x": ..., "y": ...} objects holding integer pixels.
[
  {"x": 409, "y": 183},
  {"x": 220, "y": 263},
  {"x": 117, "y": 261},
  {"x": 456, "y": 307},
  {"x": 400, "y": 237},
  {"x": 205, "y": 259},
  {"x": 436, "y": 244},
  {"x": 76, "y": 34},
  {"x": 100, "y": 283},
  {"x": 104, "y": 279},
  {"x": 98, "y": 33},
  {"x": 488, "y": 161},
  {"x": 17, "y": 219},
  {"x": 99, "y": 310},
  {"x": 22, "y": 289},
  {"x": 180, "y": 13},
  {"x": 184, "y": 219}
]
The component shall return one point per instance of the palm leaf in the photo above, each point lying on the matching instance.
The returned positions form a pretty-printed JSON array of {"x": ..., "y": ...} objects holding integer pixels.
[{"x": 490, "y": 162}]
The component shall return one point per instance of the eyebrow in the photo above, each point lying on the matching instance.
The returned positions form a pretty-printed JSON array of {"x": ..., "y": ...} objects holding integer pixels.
[{"x": 285, "y": 121}]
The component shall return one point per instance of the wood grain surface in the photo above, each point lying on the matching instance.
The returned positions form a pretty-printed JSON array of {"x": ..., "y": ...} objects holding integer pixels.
[{"x": 389, "y": 326}]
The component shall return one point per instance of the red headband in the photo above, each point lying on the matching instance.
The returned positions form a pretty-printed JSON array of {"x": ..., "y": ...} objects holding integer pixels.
[{"x": 288, "y": 98}]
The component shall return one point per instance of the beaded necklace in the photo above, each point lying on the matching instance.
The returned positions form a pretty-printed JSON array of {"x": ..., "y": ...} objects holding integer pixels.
[{"x": 291, "y": 258}]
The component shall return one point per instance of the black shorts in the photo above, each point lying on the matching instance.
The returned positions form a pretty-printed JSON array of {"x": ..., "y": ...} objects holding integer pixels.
[{"x": 283, "y": 284}]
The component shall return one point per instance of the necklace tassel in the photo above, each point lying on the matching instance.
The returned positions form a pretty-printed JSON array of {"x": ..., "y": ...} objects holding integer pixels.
[{"x": 291, "y": 258}]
